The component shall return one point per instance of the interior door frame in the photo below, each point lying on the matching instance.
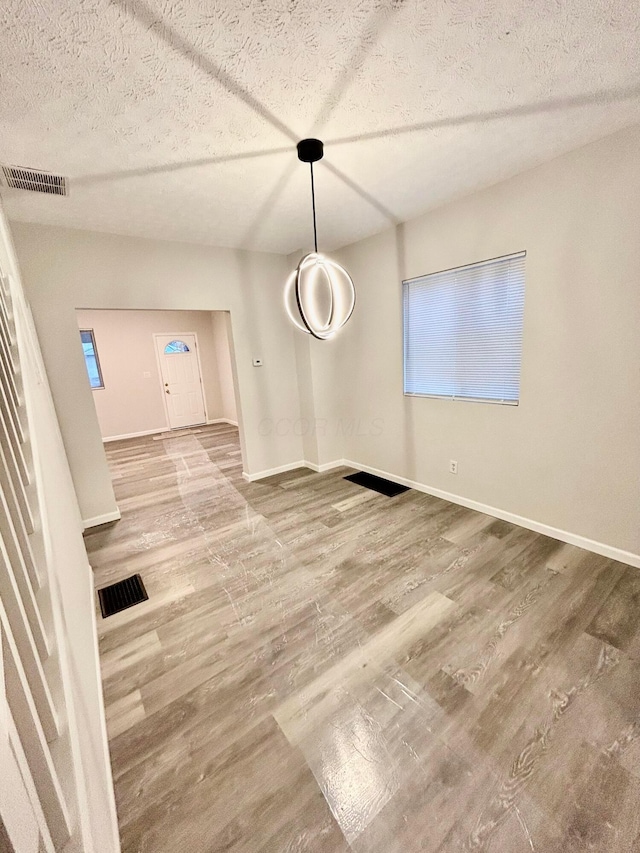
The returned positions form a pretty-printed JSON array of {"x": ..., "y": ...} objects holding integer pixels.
[{"x": 177, "y": 335}]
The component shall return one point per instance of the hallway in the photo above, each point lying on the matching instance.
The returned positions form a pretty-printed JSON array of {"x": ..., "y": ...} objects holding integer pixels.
[{"x": 322, "y": 668}]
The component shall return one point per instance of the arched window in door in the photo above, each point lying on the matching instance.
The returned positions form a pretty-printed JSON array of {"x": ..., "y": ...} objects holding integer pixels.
[{"x": 176, "y": 346}]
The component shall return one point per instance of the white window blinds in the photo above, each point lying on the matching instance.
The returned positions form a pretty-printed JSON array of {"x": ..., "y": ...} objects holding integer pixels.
[{"x": 463, "y": 331}]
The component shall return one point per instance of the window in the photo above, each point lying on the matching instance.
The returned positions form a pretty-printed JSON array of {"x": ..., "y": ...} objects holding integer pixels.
[
  {"x": 91, "y": 358},
  {"x": 176, "y": 346},
  {"x": 463, "y": 332}
]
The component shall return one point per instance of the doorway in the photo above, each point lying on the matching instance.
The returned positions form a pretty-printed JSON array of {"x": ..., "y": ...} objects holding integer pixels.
[
  {"x": 181, "y": 376},
  {"x": 131, "y": 397}
]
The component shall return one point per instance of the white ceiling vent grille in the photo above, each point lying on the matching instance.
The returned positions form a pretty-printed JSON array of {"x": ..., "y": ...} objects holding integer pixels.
[{"x": 39, "y": 182}]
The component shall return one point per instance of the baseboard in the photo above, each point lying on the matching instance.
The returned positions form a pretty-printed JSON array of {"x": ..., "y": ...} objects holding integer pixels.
[
  {"x": 601, "y": 548},
  {"x": 281, "y": 469},
  {"x": 161, "y": 429},
  {"x": 291, "y": 466},
  {"x": 101, "y": 519},
  {"x": 326, "y": 466},
  {"x": 134, "y": 434}
]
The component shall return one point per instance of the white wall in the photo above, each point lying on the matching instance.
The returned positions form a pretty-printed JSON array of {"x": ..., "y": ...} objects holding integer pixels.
[
  {"x": 65, "y": 269},
  {"x": 220, "y": 325},
  {"x": 569, "y": 455},
  {"x": 132, "y": 399}
]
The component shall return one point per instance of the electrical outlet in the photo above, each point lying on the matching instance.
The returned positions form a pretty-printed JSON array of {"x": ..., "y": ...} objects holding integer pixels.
[{"x": 453, "y": 466}]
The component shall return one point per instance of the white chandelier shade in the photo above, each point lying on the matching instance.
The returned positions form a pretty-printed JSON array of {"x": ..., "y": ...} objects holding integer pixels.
[{"x": 319, "y": 296}]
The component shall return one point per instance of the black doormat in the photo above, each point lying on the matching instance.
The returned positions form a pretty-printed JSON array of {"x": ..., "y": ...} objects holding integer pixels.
[
  {"x": 121, "y": 595},
  {"x": 377, "y": 484}
]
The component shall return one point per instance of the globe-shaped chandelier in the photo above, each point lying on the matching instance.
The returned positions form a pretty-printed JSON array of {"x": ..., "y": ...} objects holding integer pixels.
[{"x": 319, "y": 295}]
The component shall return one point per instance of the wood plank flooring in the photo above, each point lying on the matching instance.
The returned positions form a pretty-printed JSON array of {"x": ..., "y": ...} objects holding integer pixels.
[{"x": 321, "y": 668}]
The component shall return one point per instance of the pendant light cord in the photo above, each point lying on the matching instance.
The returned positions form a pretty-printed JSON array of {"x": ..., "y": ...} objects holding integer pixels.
[{"x": 313, "y": 204}]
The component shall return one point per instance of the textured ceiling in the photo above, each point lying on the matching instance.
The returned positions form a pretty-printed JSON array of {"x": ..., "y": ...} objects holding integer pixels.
[{"x": 178, "y": 118}]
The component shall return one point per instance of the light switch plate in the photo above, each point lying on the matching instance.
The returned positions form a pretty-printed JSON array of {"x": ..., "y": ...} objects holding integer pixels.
[{"x": 257, "y": 362}]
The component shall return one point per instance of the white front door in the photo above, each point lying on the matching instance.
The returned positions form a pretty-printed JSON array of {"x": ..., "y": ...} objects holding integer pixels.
[{"x": 181, "y": 380}]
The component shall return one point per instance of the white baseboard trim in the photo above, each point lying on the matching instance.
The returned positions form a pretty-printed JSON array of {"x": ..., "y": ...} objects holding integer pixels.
[
  {"x": 601, "y": 548},
  {"x": 101, "y": 519},
  {"x": 291, "y": 466},
  {"x": 326, "y": 466},
  {"x": 134, "y": 434},
  {"x": 281, "y": 469},
  {"x": 223, "y": 421}
]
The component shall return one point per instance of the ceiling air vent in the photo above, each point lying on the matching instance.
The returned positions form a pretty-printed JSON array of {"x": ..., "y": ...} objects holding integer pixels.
[{"x": 38, "y": 182}]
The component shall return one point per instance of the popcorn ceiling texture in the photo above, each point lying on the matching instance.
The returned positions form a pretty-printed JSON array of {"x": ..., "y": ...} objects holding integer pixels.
[{"x": 163, "y": 113}]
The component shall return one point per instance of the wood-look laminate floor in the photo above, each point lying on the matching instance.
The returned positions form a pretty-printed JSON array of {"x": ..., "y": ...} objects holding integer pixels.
[{"x": 321, "y": 668}]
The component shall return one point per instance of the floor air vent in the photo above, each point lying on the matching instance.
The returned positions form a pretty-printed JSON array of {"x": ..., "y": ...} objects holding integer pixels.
[
  {"x": 377, "y": 484},
  {"x": 121, "y": 595},
  {"x": 30, "y": 179}
]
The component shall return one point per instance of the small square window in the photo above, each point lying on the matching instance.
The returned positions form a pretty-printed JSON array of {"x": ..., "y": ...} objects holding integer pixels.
[{"x": 91, "y": 358}]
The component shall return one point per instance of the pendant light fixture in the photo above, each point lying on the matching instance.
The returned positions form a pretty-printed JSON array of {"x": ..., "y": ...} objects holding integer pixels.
[{"x": 319, "y": 295}]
